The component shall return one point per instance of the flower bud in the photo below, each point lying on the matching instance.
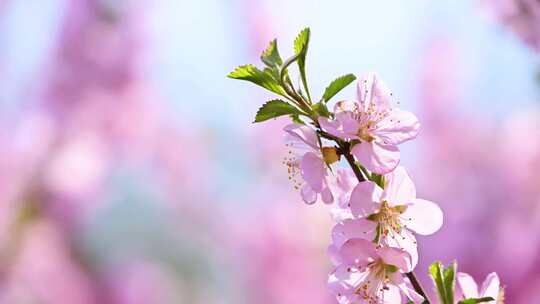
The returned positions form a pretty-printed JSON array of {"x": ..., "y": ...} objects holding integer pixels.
[{"x": 330, "y": 155}]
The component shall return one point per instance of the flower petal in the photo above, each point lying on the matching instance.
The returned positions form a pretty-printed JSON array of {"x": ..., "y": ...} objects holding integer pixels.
[
  {"x": 332, "y": 126},
  {"x": 467, "y": 285},
  {"x": 404, "y": 286},
  {"x": 313, "y": 170},
  {"x": 397, "y": 127},
  {"x": 357, "y": 252},
  {"x": 397, "y": 257},
  {"x": 303, "y": 133},
  {"x": 491, "y": 286},
  {"x": 346, "y": 106},
  {"x": 326, "y": 195},
  {"x": 343, "y": 282},
  {"x": 365, "y": 198},
  {"x": 308, "y": 195},
  {"x": 377, "y": 157},
  {"x": 357, "y": 228},
  {"x": 406, "y": 242},
  {"x": 391, "y": 295},
  {"x": 344, "y": 126},
  {"x": 423, "y": 217},
  {"x": 399, "y": 189},
  {"x": 373, "y": 92}
]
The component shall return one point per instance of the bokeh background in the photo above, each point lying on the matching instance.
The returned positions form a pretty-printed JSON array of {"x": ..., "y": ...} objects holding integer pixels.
[{"x": 130, "y": 171}]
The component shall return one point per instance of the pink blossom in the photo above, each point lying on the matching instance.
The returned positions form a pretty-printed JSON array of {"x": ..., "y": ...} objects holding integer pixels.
[
  {"x": 467, "y": 288},
  {"x": 367, "y": 274},
  {"x": 373, "y": 122},
  {"x": 388, "y": 216},
  {"x": 343, "y": 183},
  {"x": 306, "y": 158}
]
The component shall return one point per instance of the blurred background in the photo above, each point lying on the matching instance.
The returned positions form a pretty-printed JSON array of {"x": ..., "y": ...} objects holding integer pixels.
[{"x": 130, "y": 171}]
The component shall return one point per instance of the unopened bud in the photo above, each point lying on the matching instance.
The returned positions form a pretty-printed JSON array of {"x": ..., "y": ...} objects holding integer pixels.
[{"x": 330, "y": 155}]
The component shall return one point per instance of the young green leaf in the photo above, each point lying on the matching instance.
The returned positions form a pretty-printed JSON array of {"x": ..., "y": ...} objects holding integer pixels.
[
  {"x": 337, "y": 85},
  {"x": 252, "y": 74},
  {"x": 437, "y": 275},
  {"x": 321, "y": 109},
  {"x": 377, "y": 179},
  {"x": 270, "y": 56},
  {"x": 477, "y": 300},
  {"x": 275, "y": 108},
  {"x": 450, "y": 281},
  {"x": 300, "y": 48},
  {"x": 296, "y": 119}
]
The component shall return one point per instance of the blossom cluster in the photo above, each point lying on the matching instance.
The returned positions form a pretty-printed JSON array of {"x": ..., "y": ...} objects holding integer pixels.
[{"x": 373, "y": 243}]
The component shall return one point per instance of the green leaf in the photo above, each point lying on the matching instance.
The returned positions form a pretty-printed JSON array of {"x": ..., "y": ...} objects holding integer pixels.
[
  {"x": 301, "y": 44},
  {"x": 450, "y": 281},
  {"x": 275, "y": 108},
  {"x": 437, "y": 275},
  {"x": 270, "y": 56},
  {"x": 321, "y": 109},
  {"x": 337, "y": 85},
  {"x": 377, "y": 179},
  {"x": 252, "y": 74},
  {"x": 476, "y": 300},
  {"x": 296, "y": 119}
]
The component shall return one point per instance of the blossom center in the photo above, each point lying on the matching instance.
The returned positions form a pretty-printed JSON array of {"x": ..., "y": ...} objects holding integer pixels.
[
  {"x": 388, "y": 219},
  {"x": 363, "y": 132},
  {"x": 376, "y": 282}
]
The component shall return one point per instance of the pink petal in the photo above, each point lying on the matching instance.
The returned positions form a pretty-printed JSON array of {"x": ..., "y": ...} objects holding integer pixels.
[
  {"x": 345, "y": 180},
  {"x": 410, "y": 293},
  {"x": 349, "y": 124},
  {"x": 371, "y": 90},
  {"x": 390, "y": 295},
  {"x": 376, "y": 157},
  {"x": 398, "y": 127},
  {"x": 491, "y": 286},
  {"x": 303, "y": 133},
  {"x": 333, "y": 253},
  {"x": 399, "y": 188},
  {"x": 397, "y": 257},
  {"x": 406, "y": 242},
  {"x": 380, "y": 93},
  {"x": 342, "y": 282},
  {"x": 358, "y": 252},
  {"x": 313, "y": 170},
  {"x": 326, "y": 195},
  {"x": 357, "y": 228},
  {"x": 333, "y": 127},
  {"x": 308, "y": 195},
  {"x": 365, "y": 198},
  {"x": 346, "y": 106},
  {"x": 344, "y": 126},
  {"x": 423, "y": 217},
  {"x": 467, "y": 285}
]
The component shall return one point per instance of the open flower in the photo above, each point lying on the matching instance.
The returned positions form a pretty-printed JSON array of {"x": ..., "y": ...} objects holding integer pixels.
[
  {"x": 467, "y": 288},
  {"x": 306, "y": 158},
  {"x": 367, "y": 274},
  {"x": 388, "y": 217},
  {"x": 376, "y": 126},
  {"x": 343, "y": 182}
]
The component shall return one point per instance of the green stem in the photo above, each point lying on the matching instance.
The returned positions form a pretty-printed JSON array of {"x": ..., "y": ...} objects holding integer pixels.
[{"x": 289, "y": 89}]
